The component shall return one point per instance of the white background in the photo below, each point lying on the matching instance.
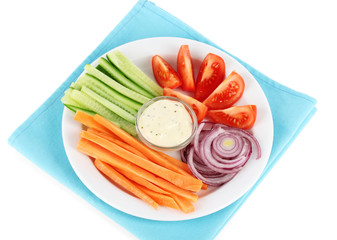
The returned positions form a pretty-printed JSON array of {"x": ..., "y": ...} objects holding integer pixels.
[{"x": 293, "y": 42}]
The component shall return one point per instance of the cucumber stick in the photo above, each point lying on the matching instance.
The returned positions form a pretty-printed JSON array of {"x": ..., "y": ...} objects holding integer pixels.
[
  {"x": 95, "y": 106},
  {"x": 72, "y": 104},
  {"x": 108, "y": 93},
  {"x": 115, "y": 74},
  {"x": 68, "y": 101},
  {"x": 75, "y": 109},
  {"x": 74, "y": 86},
  {"x": 115, "y": 85},
  {"x": 112, "y": 107},
  {"x": 130, "y": 70}
]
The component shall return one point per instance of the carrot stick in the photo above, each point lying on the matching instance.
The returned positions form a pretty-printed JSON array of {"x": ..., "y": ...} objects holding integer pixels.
[
  {"x": 89, "y": 121},
  {"x": 161, "y": 199},
  {"x": 116, "y": 141},
  {"x": 141, "y": 181},
  {"x": 180, "y": 164},
  {"x": 96, "y": 151},
  {"x": 185, "y": 205},
  {"x": 127, "y": 138},
  {"x": 124, "y": 182},
  {"x": 176, "y": 162},
  {"x": 183, "y": 181}
]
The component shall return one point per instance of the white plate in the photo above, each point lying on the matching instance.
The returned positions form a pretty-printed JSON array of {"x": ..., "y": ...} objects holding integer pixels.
[{"x": 211, "y": 200}]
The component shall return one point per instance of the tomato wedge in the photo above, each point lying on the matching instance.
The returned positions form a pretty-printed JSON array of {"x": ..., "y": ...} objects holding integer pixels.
[
  {"x": 185, "y": 68},
  {"x": 199, "y": 108},
  {"x": 164, "y": 74},
  {"x": 238, "y": 116},
  {"x": 227, "y": 93},
  {"x": 211, "y": 74}
]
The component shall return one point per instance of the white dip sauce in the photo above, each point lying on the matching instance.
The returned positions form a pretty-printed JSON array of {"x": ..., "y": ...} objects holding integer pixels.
[{"x": 165, "y": 123}]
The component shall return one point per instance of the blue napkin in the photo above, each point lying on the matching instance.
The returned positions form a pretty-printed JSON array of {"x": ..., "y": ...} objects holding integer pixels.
[{"x": 39, "y": 137}]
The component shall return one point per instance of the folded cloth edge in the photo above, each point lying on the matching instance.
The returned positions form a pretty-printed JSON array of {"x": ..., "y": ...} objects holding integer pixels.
[
  {"x": 268, "y": 168},
  {"x": 98, "y": 52},
  {"x": 90, "y": 58}
]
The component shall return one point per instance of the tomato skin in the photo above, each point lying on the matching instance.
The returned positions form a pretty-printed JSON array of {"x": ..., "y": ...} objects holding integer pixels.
[
  {"x": 164, "y": 74},
  {"x": 185, "y": 68},
  {"x": 211, "y": 73},
  {"x": 238, "y": 116},
  {"x": 227, "y": 93},
  {"x": 199, "y": 108}
]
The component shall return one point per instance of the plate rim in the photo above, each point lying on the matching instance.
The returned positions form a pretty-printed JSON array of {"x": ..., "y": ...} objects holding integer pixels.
[{"x": 185, "y": 216}]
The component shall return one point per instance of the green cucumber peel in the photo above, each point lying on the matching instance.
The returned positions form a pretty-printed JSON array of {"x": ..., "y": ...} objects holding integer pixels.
[
  {"x": 134, "y": 73},
  {"x": 74, "y": 109},
  {"x": 75, "y": 86},
  {"x": 108, "y": 93},
  {"x": 107, "y": 68},
  {"x": 68, "y": 101},
  {"x": 115, "y": 85},
  {"x": 95, "y": 106},
  {"x": 112, "y": 107}
]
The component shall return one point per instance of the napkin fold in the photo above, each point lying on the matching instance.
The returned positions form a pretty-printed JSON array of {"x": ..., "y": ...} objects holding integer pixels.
[{"x": 39, "y": 138}]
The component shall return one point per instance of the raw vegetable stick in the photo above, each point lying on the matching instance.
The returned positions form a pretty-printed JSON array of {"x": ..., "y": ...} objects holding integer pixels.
[
  {"x": 115, "y": 85},
  {"x": 141, "y": 181},
  {"x": 135, "y": 151},
  {"x": 92, "y": 105},
  {"x": 68, "y": 101},
  {"x": 185, "y": 205},
  {"x": 176, "y": 162},
  {"x": 181, "y": 165},
  {"x": 89, "y": 121},
  {"x": 110, "y": 137},
  {"x": 115, "y": 74},
  {"x": 111, "y": 106},
  {"x": 149, "y": 153},
  {"x": 130, "y": 70},
  {"x": 124, "y": 182},
  {"x": 116, "y": 140},
  {"x": 110, "y": 94},
  {"x": 107, "y": 132},
  {"x": 183, "y": 181},
  {"x": 161, "y": 199},
  {"x": 96, "y": 151}
]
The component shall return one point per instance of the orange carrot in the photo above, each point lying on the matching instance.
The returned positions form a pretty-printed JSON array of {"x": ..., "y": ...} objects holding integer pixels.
[
  {"x": 127, "y": 138},
  {"x": 89, "y": 121},
  {"x": 184, "y": 181},
  {"x": 141, "y": 181},
  {"x": 96, "y": 151},
  {"x": 176, "y": 162},
  {"x": 204, "y": 186},
  {"x": 124, "y": 182},
  {"x": 184, "y": 204},
  {"x": 161, "y": 199},
  {"x": 180, "y": 164},
  {"x": 116, "y": 141}
]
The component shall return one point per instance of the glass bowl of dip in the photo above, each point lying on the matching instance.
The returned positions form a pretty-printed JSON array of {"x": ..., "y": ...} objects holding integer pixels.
[{"x": 166, "y": 123}]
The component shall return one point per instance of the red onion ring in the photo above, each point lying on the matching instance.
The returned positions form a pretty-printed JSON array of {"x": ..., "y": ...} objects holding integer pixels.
[
  {"x": 219, "y": 152},
  {"x": 213, "y": 180}
]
